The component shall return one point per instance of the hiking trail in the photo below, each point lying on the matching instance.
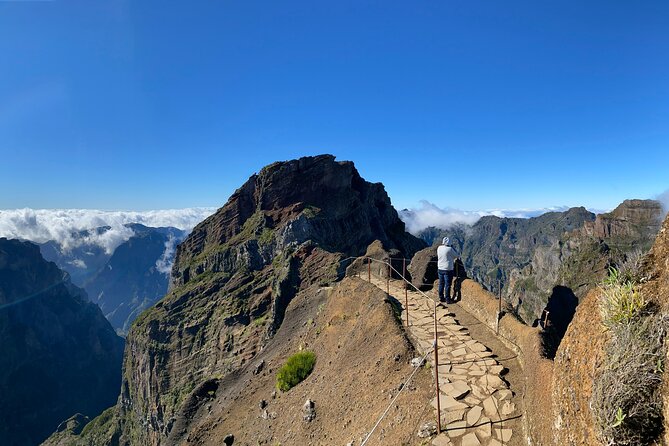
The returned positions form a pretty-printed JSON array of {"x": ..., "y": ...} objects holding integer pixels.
[{"x": 478, "y": 405}]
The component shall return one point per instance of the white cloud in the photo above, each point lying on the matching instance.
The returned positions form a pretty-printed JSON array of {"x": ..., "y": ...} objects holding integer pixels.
[
  {"x": 164, "y": 263},
  {"x": 78, "y": 263},
  {"x": 41, "y": 225},
  {"x": 428, "y": 214}
]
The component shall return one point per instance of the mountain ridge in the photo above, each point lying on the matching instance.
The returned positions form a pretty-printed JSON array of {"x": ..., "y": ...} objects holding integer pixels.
[{"x": 58, "y": 354}]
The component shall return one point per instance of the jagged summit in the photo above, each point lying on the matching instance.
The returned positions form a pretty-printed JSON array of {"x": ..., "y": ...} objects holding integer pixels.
[
  {"x": 282, "y": 235},
  {"x": 311, "y": 198}
]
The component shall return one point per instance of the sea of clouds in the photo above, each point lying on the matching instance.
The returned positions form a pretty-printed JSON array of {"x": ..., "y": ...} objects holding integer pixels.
[
  {"x": 60, "y": 225},
  {"x": 428, "y": 214}
]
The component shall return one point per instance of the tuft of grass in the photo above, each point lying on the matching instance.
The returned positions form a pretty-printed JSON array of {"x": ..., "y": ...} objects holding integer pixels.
[
  {"x": 296, "y": 369},
  {"x": 626, "y": 401},
  {"x": 621, "y": 300}
]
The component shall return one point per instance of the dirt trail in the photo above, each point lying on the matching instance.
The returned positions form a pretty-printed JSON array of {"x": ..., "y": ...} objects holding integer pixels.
[{"x": 480, "y": 380}]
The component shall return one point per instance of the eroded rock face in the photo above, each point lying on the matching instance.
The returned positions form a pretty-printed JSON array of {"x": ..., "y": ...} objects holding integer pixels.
[
  {"x": 529, "y": 258},
  {"x": 580, "y": 356},
  {"x": 286, "y": 229},
  {"x": 423, "y": 268},
  {"x": 58, "y": 354},
  {"x": 634, "y": 223},
  {"x": 313, "y": 198}
]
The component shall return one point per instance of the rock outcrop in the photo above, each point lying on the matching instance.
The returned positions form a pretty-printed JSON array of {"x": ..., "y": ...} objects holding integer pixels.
[
  {"x": 542, "y": 259},
  {"x": 633, "y": 224},
  {"x": 579, "y": 358},
  {"x": 58, "y": 354},
  {"x": 287, "y": 229},
  {"x": 423, "y": 268}
]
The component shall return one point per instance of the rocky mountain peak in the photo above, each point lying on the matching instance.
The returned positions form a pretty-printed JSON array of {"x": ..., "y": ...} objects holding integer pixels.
[
  {"x": 283, "y": 233},
  {"x": 633, "y": 222},
  {"x": 312, "y": 198}
]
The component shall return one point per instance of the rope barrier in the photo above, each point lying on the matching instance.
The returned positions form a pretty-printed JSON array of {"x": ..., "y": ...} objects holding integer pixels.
[
  {"x": 393, "y": 401},
  {"x": 429, "y": 299}
]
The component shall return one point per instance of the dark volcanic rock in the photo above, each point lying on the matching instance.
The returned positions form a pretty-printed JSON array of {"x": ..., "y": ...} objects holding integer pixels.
[
  {"x": 423, "y": 268},
  {"x": 285, "y": 230},
  {"x": 58, "y": 354}
]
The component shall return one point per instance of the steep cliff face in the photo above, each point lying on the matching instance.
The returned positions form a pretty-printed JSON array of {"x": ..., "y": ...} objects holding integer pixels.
[
  {"x": 657, "y": 288},
  {"x": 579, "y": 359},
  {"x": 58, "y": 354},
  {"x": 286, "y": 229},
  {"x": 555, "y": 258},
  {"x": 313, "y": 198},
  {"x": 523, "y": 256},
  {"x": 633, "y": 224}
]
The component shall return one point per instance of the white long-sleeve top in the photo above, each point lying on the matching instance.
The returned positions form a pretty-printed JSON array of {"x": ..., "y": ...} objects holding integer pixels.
[{"x": 446, "y": 256}]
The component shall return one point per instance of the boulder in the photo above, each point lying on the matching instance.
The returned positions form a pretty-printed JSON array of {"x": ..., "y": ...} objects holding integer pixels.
[{"x": 423, "y": 268}]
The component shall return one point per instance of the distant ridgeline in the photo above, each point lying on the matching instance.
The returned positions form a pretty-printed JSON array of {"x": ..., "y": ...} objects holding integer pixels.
[
  {"x": 557, "y": 256},
  {"x": 58, "y": 354},
  {"x": 125, "y": 282}
]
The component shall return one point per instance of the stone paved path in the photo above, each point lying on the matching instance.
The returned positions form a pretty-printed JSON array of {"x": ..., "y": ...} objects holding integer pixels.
[{"x": 477, "y": 405}]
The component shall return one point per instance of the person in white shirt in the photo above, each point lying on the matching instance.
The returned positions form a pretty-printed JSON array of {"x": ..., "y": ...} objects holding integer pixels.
[{"x": 446, "y": 256}]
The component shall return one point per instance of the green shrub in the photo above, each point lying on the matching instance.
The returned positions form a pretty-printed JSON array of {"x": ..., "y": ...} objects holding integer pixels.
[
  {"x": 296, "y": 369},
  {"x": 621, "y": 300},
  {"x": 626, "y": 400}
]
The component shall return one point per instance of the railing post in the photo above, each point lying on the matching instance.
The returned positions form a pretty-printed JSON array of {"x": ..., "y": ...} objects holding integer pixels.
[
  {"x": 406, "y": 289},
  {"x": 499, "y": 310},
  {"x": 369, "y": 270},
  {"x": 388, "y": 278},
  {"x": 436, "y": 368}
]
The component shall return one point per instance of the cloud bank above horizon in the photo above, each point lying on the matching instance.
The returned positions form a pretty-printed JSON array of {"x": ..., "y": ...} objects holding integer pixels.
[
  {"x": 60, "y": 225},
  {"x": 430, "y": 215}
]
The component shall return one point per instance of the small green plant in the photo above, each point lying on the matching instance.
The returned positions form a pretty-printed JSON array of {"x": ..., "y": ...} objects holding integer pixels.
[
  {"x": 621, "y": 300},
  {"x": 296, "y": 369},
  {"x": 620, "y": 417},
  {"x": 266, "y": 236},
  {"x": 626, "y": 399}
]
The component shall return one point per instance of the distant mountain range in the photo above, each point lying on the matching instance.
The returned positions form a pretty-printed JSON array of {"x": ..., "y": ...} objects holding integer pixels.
[
  {"x": 126, "y": 281},
  {"x": 531, "y": 258},
  {"x": 58, "y": 354}
]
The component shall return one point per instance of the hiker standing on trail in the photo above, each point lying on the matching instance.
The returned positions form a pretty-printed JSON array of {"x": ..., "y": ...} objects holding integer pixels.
[{"x": 446, "y": 256}]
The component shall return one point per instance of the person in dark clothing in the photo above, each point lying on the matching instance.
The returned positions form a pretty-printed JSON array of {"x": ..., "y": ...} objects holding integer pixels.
[{"x": 459, "y": 277}]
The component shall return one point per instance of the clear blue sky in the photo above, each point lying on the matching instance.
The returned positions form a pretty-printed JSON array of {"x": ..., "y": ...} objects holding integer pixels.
[{"x": 469, "y": 104}]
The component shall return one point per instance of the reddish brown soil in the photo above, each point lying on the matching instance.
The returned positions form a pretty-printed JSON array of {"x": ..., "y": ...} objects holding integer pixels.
[{"x": 363, "y": 356}]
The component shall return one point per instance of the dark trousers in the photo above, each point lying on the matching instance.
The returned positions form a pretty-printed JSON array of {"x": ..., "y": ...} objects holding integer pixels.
[{"x": 445, "y": 281}]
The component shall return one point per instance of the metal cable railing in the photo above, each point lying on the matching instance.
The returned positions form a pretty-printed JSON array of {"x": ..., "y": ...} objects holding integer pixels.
[{"x": 390, "y": 269}]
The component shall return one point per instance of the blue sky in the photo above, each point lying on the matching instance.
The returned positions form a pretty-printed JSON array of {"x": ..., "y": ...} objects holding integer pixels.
[{"x": 469, "y": 104}]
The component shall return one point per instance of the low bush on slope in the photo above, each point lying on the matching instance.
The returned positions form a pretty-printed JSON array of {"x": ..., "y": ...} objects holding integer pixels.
[
  {"x": 626, "y": 399},
  {"x": 296, "y": 369}
]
